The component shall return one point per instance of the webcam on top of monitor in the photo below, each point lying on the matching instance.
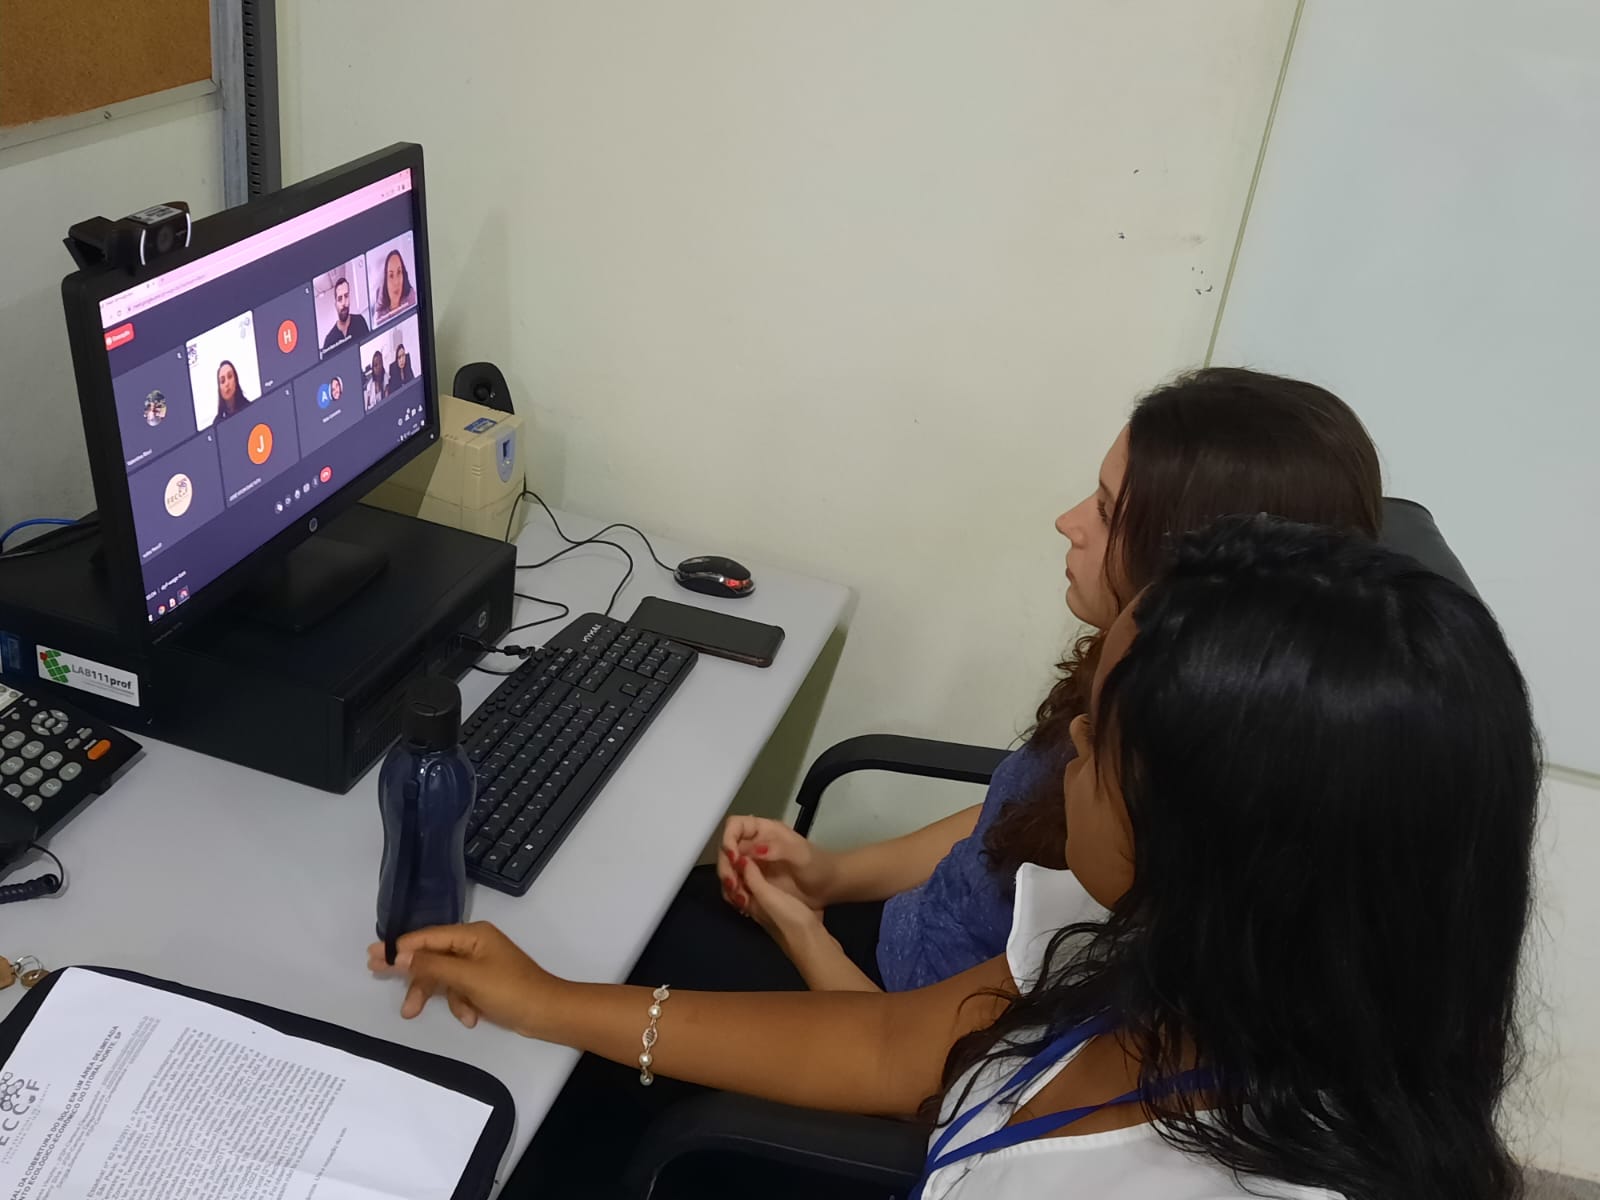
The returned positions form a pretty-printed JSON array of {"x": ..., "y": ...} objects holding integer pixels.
[{"x": 134, "y": 241}]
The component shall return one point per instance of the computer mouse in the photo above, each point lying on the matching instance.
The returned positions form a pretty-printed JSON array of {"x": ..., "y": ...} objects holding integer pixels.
[{"x": 713, "y": 575}]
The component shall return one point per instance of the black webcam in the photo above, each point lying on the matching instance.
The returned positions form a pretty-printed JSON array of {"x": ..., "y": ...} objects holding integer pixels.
[{"x": 132, "y": 242}]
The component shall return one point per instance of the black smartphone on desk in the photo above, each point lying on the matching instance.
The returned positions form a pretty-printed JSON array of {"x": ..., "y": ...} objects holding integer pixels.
[{"x": 710, "y": 632}]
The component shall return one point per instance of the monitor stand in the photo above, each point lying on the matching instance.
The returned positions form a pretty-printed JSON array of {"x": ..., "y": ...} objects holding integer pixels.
[{"x": 310, "y": 583}]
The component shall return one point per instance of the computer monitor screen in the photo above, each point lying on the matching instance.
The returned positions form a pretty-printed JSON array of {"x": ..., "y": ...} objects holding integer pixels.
[{"x": 255, "y": 382}]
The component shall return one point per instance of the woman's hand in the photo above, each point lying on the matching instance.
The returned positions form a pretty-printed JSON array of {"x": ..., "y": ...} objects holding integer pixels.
[
  {"x": 788, "y": 918},
  {"x": 481, "y": 972},
  {"x": 788, "y": 862},
  {"x": 861, "y": 1054},
  {"x": 798, "y": 929}
]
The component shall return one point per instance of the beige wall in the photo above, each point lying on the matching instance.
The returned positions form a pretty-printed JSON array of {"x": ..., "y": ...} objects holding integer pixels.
[
  {"x": 888, "y": 274},
  {"x": 168, "y": 153}
]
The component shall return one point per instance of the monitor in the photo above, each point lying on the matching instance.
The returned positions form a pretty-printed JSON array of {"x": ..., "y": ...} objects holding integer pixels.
[{"x": 241, "y": 392}]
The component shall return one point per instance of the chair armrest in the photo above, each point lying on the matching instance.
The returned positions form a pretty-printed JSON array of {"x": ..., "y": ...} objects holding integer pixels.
[
  {"x": 871, "y": 1150},
  {"x": 1411, "y": 529},
  {"x": 901, "y": 755}
]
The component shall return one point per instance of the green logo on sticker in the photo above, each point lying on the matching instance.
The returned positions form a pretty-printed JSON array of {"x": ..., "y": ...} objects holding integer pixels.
[{"x": 53, "y": 666}]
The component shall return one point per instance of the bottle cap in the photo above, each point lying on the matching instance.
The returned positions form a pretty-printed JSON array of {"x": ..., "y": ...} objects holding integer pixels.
[{"x": 433, "y": 714}]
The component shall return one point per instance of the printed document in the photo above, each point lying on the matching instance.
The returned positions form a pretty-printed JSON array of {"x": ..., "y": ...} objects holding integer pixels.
[{"x": 118, "y": 1091}]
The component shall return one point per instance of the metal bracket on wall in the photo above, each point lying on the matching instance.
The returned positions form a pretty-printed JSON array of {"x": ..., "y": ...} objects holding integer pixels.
[{"x": 244, "y": 57}]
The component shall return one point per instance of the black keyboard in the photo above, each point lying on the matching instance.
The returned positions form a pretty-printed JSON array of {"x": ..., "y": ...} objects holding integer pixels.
[{"x": 547, "y": 738}]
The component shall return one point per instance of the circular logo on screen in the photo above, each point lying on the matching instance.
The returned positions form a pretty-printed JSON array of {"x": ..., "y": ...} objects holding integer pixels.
[
  {"x": 180, "y": 494},
  {"x": 260, "y": 447}
]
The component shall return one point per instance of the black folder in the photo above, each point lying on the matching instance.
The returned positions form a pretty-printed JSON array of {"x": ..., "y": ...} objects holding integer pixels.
[{"x": 477, "y": 1181}]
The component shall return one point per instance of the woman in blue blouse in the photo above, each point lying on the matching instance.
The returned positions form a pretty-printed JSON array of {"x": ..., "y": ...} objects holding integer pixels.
[{"x": 1213, "y": 443}]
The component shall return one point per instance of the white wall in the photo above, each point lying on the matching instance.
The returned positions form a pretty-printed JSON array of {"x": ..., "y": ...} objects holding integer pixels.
[
  {"x": 888, "y": 274},
  {"x": 1560, "y": 1113},
  {"x": 170, "y": 153},
  {"x": 1425, "y": 241}
]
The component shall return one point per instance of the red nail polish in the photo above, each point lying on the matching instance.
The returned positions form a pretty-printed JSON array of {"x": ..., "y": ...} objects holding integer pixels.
[{"x": 761, "y": 850}]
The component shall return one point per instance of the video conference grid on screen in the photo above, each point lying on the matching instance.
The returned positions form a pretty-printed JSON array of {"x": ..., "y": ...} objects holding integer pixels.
[{"x": 231, "y": 427}]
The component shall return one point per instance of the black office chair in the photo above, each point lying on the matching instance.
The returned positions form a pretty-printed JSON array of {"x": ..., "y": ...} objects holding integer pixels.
[{"x": 871, "y": 1151}]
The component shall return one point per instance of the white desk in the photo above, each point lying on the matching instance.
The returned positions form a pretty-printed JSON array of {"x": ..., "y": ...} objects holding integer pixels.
[{"x": 230, "y": 880}]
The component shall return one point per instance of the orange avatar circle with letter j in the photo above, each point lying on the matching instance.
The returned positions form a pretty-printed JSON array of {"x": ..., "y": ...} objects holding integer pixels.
[{"x": 260, "y": 448}]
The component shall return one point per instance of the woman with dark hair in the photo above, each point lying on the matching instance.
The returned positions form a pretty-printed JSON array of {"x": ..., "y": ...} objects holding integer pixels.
[
  {"x": 1211, "y": 443},
  {"x": 231, "y": 399},
  {"x": 394, "y": 289},
  {"x": 401, "y": 373},
  {"x": 1284, "y": 963},
  {"x": 377, "y": 382}
]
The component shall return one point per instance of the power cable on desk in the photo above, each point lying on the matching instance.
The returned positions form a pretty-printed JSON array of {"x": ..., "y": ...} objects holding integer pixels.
[
  {"x": 577, "y": 543},
  {"x": 596, "y": 539},
  {"x": 574, "y": 543},
  {"x": 566, "y": 611}
]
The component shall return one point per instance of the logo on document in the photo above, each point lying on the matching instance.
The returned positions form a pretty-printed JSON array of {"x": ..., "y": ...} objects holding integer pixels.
[
  {"x": 17, "y": 1095},
  {"x": 19, "y": 1108}
]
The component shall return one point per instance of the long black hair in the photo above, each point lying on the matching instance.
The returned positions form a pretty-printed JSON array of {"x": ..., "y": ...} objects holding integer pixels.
[{"x": 1331, "y": 774}]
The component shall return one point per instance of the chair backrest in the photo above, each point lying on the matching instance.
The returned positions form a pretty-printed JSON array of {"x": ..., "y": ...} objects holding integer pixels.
[{"x": 1410, "y": 529}]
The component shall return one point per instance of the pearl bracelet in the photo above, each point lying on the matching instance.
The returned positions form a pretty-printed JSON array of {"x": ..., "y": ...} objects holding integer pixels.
[{"x": 651, "y": 1033}]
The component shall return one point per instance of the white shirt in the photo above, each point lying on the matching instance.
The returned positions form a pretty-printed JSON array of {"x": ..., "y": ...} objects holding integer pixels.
[{"x": 1125, "y": 1164}]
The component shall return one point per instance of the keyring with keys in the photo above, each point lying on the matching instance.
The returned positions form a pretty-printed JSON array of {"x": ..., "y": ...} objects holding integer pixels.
[{"x": 12, "y": 972}]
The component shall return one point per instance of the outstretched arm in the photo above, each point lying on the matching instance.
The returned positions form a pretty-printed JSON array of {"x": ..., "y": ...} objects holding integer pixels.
[{"x": 846, "y": 1051}]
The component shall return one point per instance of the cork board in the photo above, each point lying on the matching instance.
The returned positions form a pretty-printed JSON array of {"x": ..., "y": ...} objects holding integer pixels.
[{"x": 63, "y": 57}]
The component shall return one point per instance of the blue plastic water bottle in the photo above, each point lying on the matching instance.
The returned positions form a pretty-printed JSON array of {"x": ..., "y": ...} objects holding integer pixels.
[{"x": 425, "y": 793}]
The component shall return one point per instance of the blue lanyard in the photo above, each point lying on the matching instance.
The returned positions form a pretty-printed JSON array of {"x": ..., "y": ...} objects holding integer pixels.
[{"x": 940, "y": 1156}]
